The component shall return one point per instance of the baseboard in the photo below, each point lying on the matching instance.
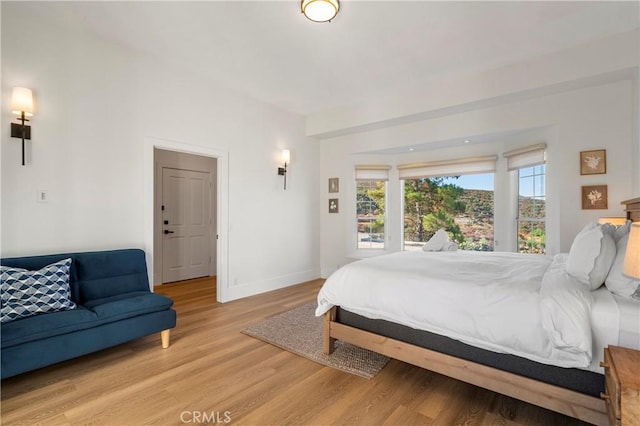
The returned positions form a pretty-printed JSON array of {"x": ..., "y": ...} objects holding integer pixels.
[{"x": 270, "y": 284}]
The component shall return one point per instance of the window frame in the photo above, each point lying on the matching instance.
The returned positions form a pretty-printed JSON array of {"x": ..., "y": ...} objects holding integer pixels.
[
  {"x": 385, "y": 225},
  {"x": 535, "y": 196}
]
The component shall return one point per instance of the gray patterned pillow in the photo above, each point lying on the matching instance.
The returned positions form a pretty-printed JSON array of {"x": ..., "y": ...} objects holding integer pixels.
[{"x": 25, "y": 293}]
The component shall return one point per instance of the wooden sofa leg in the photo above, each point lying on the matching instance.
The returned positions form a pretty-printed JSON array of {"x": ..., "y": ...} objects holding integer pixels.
[
  {"x": 164, "y": 336},
  {"x": 328, "y": 343}
]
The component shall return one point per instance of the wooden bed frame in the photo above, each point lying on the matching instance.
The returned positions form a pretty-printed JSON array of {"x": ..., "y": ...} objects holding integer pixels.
[{"x": 571, "y": 403}]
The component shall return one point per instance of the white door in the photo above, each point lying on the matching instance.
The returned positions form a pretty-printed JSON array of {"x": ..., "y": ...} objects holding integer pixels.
[{"x": 186, "y": 221}]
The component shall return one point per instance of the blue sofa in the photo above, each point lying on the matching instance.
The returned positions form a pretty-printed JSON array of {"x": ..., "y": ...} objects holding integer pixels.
[{"x": 114, "y": 305}]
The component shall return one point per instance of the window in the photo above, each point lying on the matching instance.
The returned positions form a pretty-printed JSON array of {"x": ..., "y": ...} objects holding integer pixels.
[
  {"x": 370, "y": 212},
  {"x": 461, "y": 205},
  {"x": 455, "y": 195},
  {"x": 371, "y": 193},
  {"x": 529, "y": 162},
  {"x": 531, "y": 210}
]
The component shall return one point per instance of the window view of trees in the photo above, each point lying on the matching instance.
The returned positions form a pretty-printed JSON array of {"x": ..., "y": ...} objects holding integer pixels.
[
  {"x": 370, "y": 201},
  {"x": 531, "y": 210},
  {"x": 440, "y": 202}
]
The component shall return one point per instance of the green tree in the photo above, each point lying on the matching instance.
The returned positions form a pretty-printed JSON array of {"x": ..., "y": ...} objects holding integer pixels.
[
  {"x": 370, "y": 202},
  {"x": 430, "y": 205}
]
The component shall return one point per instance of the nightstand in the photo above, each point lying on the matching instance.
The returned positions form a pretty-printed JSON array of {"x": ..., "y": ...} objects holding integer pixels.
[{"x": 622, "y": 385}]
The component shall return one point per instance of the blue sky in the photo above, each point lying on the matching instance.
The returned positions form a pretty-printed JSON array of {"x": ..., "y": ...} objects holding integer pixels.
[{"x": 484, "y": 181}]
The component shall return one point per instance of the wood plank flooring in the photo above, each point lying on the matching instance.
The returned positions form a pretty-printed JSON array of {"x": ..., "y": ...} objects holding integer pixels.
[{"x": 213, "y": 373}]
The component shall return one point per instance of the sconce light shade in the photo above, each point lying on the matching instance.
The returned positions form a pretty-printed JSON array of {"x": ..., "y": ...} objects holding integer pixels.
[
  {"x": 21, "y": 104},
  {"x": 616, "y": 221},
  {"x": 286, "y": 156},
  {"x": 282, "y": 171},
  {"x": 320, "y": 10},
  {"x": 22, "y": 101},
  {"x": 632, "y": 257}
]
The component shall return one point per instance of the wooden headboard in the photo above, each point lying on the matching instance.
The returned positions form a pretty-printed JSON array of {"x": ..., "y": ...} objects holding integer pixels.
[{"x": 632, "y": 207}]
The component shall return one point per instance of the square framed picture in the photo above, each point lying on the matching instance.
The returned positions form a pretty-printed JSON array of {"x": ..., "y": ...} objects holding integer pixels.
[
  {"x": 594, "y": 197},
  {"x": 333, "y": 205},
  {"x": 593, "y": 162},
  {"x": 334, "y": 185}
]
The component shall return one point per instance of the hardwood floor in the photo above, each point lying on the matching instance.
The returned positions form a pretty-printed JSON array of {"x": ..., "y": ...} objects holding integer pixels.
[{"x": 213, "y": 373}]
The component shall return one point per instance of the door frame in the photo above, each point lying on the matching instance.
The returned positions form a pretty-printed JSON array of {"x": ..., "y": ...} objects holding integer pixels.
[{"x": 222, "y": 206}]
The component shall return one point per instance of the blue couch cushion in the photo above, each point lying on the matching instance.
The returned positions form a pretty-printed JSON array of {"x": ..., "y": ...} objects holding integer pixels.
[
  {"x": 128, "y": 305},
  {"x": 110, "y": 273},
  {"x": 95, "y": 275},
  {"x": 93, "y": 314},
  {"x": 46, "y": 325}
]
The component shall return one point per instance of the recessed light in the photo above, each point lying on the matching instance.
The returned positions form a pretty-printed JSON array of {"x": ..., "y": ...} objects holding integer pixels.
[
  {"x": 411, "y": 149},
  {"x": 467, "y": 141}
]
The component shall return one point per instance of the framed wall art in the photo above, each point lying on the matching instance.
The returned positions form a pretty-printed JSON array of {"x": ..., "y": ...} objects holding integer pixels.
[
  {"x": 593, "y": 162},
  {"x": 334, "y": 185},
  {"x": 594, "y": 197},
  {"x": 333, "y": 205}
]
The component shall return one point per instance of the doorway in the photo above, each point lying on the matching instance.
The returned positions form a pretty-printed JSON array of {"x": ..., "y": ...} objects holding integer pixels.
[
  {"x": 185, "y": 225},
  {"x": 221, "y": 210}
]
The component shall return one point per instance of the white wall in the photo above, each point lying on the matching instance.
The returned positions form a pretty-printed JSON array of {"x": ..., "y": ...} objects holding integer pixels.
[
  {"x": 96, "y": 104},
  {"x": 581, "y": 66},
  {"x": 569, "y": 122}
]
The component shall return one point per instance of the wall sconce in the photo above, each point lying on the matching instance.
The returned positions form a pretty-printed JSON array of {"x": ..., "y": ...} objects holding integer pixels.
[
  {"x": 21, "y": 104},
  {"x": 282, "y": 171},
  {"x": 631, "y": 266}
]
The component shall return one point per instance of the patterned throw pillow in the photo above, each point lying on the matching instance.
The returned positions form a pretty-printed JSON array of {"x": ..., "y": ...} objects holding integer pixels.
[{"x": 26, "y": 293}]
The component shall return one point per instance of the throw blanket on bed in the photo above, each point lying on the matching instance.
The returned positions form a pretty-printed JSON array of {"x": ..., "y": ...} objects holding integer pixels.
[{"x": 503, "y": 302}]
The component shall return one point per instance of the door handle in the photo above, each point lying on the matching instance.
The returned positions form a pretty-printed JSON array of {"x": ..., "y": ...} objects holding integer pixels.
[{"x": 166, "y": 231}]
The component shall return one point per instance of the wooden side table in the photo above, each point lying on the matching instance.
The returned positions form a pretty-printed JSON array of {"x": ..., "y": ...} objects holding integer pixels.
[{"x": 622, "y": 385}]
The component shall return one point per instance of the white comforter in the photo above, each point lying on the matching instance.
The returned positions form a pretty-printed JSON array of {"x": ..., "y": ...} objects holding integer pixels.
[{"x": 526, "y": 305}]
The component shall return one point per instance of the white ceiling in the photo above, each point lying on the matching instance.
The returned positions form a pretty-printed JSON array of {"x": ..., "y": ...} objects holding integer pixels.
[{"x": 268, "y": 50}]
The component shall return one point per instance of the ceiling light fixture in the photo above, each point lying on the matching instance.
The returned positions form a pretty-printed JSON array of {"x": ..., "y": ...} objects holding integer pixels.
[{"x": 320, "y": 10}]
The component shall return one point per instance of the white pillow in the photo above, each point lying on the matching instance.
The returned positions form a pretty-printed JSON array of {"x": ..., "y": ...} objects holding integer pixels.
[
  {"x": 617, "y": 282},
  {"x": 617, "y": 232},
  {"x": 591, "y": 256}
]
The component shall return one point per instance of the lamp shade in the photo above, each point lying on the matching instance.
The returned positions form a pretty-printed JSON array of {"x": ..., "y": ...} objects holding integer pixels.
[
  {"x": 286, "y": 156},
  {"x": 632, "y": 257},
  {"x": 616, "y": 221},
  {"x": 22, "y": 101},
  {"x": 320, "y": 10}
]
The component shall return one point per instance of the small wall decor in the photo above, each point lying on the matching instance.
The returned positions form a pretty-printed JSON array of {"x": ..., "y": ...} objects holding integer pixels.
[
  {"x": 334, "y": 185},
  {"x": 594, "y": 197},
  {"x": 333, "y": 205},
  {"x": 593, "y": 162}
]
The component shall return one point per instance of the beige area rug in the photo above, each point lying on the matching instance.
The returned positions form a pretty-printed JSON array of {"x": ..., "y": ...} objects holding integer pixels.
[{"x": 300, "y": 331}]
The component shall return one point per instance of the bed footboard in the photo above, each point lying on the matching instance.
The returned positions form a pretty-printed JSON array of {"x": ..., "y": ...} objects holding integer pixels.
[{"x": 584, "y": 407}]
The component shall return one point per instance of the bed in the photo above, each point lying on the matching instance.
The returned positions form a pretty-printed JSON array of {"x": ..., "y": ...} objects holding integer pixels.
[{"x": 546, "y": 353}]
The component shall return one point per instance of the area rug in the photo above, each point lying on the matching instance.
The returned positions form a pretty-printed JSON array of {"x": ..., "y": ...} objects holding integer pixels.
[{"x": 300, "y": 331}]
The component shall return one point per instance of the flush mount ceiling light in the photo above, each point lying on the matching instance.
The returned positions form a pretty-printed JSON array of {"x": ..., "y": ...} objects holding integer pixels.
[{"x": 320, "y": 10}]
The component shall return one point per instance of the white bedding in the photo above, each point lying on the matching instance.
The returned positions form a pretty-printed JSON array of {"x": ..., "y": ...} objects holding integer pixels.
[
  {"x": 629, "y": 310},
  {"x": 496, "y": 301}
]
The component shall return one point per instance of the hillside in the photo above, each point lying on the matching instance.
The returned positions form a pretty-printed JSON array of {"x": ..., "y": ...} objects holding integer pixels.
[{"x": 476, "y": 223}]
